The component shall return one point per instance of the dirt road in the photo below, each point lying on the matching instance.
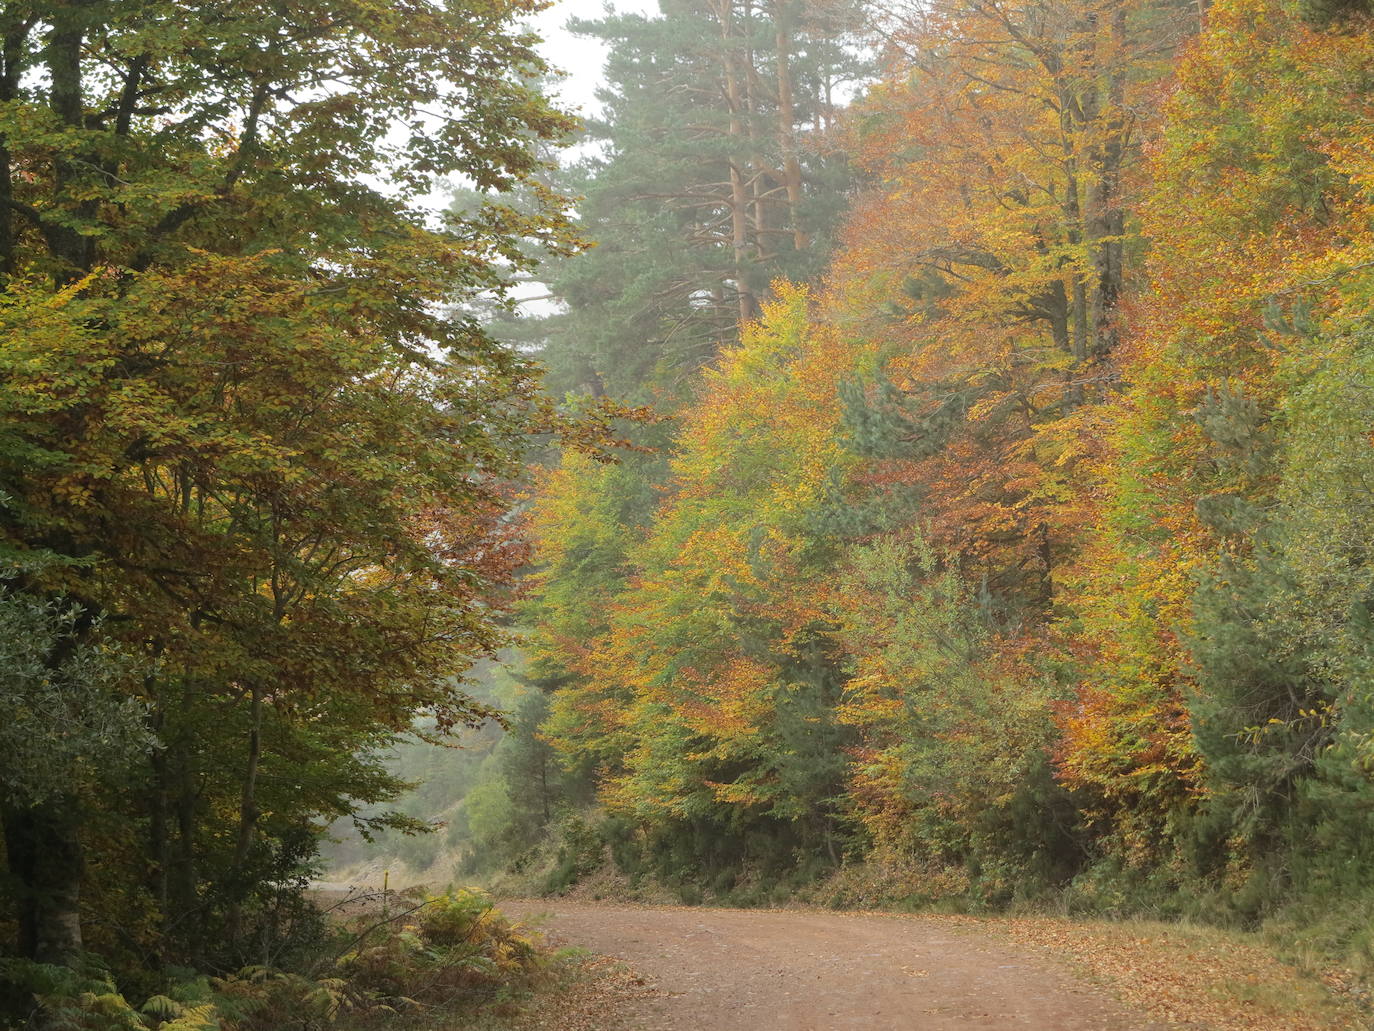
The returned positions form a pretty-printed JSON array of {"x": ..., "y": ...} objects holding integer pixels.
[{"x": 755, "y": 970}]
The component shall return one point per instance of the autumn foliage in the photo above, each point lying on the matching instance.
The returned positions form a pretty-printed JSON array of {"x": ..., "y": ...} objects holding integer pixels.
[
  {"x": 255, "y": 476},
  {"x": 1026, "y": 548},
  {"x": 1002, "y": 523}
]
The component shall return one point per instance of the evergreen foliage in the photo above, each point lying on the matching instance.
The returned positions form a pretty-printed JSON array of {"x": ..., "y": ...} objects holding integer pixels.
[{"x": 712, "y": 168}]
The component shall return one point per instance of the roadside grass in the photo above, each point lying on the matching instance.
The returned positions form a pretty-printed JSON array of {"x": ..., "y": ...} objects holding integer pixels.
[
  {"x": 447, "y": 962},
  {"x": 549, "y": 988}
]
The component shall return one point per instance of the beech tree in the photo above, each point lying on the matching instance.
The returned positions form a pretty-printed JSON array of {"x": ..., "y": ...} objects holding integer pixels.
[
  {"x": 1258, "y": 216},
  {"x": 705, "y": 699},
  {"x": 991, "y": 256},
  {"x": 240, "y": 440}
]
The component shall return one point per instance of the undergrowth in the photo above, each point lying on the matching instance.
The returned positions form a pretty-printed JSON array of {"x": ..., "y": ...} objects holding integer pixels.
[{"x": 452, "y": 956}]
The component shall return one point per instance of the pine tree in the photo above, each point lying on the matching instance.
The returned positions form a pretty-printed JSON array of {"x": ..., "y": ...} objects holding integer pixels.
[{"x": 713, "y": 170}]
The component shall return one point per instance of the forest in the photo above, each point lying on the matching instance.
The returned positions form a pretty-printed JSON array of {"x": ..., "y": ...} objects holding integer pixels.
[
  {"x": 1003, "y": 536},
  {"x": 938, "y": 471}
]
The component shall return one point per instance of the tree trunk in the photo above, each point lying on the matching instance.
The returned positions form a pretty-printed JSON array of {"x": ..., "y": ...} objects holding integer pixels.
[
  {"x": 9, "y": 89},
  {"x": 185, "y": 918},
  {"x": 787, "y": 128},
  {"x": 248, "y": 814},
  {"x": 1108, "y": 222},
  {"x": 43, "y": 852},
  {"x": 159, "y": 839},
  {"x": 762, "y": 173},
  {"x": 45, "y": 860},
  {"x": 739, "y": 194},
  {"x": 1080, "y": 326},
  {"x": 68, "y": 104}
]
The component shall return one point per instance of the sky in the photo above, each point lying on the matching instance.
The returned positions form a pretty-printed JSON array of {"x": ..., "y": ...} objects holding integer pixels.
[{"x": 581, "y": 59}]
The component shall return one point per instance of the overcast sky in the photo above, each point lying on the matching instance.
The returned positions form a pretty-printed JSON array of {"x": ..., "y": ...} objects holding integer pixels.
[{"x": 579, "y": 58}]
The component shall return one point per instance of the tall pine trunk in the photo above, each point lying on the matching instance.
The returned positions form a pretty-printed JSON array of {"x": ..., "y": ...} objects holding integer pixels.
[
  {"x": 739, "y": 193},
  {"x": 787, "y": 129}
]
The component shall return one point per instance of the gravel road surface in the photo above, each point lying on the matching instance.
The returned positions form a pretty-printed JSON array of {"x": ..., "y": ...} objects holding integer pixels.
[{"x": 762, "y": 970}]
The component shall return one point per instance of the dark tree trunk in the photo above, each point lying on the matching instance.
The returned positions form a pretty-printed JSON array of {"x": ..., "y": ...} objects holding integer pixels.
[
  {"x": 185, "y": 916},
  {"x": 248, "y": 814},
  {"x": 68, "y": 104},
  {"x": 43, "y": 852},
  {"x": 12, "y": 57},
  {"x": 45, "y": 860},
  {"x": 159, "y": 840},
  {"x": 1109, "y": 224}
]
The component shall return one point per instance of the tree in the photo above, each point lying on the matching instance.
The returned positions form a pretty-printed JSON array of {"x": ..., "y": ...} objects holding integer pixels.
[
  {"x": 235, "y": 412},
  {"x": 990, "y": 256},
  {"x": 1256, "y": 215},
  {"x": 707, "y": 695},
  {"x": 953, "y": 765},
  {"x": 71, "y": 725},
  {"x": 713, "y": 171}
]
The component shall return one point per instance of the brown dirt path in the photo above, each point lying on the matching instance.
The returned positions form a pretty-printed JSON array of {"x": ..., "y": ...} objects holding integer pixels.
[{"x": 761, "y": 970}]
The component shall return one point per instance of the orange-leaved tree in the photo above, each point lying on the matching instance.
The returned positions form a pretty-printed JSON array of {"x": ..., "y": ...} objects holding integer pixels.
[
  {"x": 991, "y": 259},
  {"x": 1259, "y": 221}
]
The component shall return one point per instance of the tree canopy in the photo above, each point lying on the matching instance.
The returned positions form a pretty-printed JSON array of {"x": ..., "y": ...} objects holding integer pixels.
[{"x": 254, "y": 467}]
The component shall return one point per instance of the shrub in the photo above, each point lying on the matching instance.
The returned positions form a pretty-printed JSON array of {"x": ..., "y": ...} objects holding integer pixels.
[
  {"x": 454, "y": 949},
  {"x": 451, "y": 949}
]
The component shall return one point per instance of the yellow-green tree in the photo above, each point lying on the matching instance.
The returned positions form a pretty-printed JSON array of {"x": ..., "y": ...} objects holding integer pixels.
[
  {"x": 240, "y": 436},
  {"x": 716, "y": 661}
]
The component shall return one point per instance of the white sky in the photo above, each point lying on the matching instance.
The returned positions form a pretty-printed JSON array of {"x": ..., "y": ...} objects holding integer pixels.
[
  {"x": 579, "y": 58},
  {"x": 581, "y": 61}
]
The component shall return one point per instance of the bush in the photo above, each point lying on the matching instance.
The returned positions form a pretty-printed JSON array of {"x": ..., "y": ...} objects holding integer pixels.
[
  {"x": 451, "y": 949},
  {"x": 581, "y": 850},
  {"x": 84, "y": 997},
  {"x": 259, "y": 999}
]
